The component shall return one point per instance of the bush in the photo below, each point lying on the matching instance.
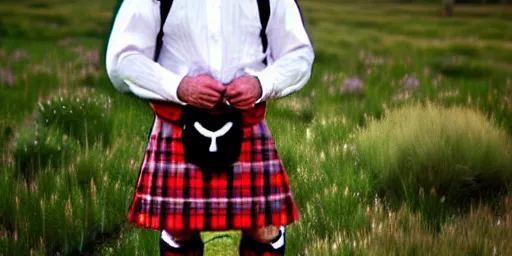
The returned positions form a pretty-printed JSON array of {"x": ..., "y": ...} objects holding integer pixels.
[
  {"x": 84, "y": 116},
  {"x": 430, "y": 154}
]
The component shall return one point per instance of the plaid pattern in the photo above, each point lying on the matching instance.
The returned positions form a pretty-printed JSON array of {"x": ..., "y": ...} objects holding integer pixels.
[{"x": 175, "y": 195}]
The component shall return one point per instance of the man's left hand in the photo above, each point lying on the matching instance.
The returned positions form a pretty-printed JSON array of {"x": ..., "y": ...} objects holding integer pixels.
[{"x": 243, "y": 92}]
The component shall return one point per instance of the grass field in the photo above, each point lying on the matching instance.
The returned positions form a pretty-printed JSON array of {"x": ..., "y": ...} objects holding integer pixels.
[{"x": 399, "y": 145}]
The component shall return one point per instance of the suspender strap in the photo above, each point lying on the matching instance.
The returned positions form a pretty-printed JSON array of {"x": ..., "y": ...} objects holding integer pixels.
[
  {"x": 165, "y": 7},
  {"x": 264, "y": 11}
]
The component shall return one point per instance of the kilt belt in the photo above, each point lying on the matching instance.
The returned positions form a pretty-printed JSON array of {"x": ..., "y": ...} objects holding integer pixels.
[{"x": 172, "y": 112}]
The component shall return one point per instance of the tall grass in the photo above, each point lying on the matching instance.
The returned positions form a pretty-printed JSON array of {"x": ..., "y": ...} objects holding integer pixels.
[
  {"x": 72, "y": 191},
  {"x": 402, "y": 232},
  {"x": 36, "y": 148},
  {"x": 66, "y": 209}
]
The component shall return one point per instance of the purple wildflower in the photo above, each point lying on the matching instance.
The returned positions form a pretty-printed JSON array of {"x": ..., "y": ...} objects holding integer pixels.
[
  {"x": 410, "y": 82},
  {"x": 7, "y": 76},
  {"x": 352, "y": 84}
]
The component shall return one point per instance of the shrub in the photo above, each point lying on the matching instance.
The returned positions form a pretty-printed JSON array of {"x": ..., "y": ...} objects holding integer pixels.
[
  {"x": 430, "y": 154},
  {"x": 84, "y": 115}
]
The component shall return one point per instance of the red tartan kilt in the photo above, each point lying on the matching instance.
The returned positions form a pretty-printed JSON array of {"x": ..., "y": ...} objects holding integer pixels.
[{"x": 175, "y": 195}]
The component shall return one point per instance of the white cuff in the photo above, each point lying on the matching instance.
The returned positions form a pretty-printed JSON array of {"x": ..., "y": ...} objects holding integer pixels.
[
  {"x": 267, "y": 83},
  {"x": 148, "y": 79},
  {"x": 169, "y": 82},
  {"x": 143, "y": 93}
]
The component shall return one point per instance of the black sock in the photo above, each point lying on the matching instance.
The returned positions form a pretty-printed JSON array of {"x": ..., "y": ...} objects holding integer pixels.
[
  {"x": 190, "y": 247},
  {"x": 275, "y": 247}
]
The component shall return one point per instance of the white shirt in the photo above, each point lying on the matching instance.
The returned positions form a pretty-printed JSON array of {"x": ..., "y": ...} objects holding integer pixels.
[{"x": 220, "y": 38}]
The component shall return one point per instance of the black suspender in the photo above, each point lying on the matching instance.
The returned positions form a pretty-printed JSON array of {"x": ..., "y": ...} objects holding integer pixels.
[
  {"x": 165, "y": 7},
  {"x": 264, "y": 11}
]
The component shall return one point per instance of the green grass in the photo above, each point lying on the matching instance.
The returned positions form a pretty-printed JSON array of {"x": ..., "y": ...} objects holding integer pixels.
[
  {"x": 436, "y": 159},
  {"x": 76, "y": 198}
]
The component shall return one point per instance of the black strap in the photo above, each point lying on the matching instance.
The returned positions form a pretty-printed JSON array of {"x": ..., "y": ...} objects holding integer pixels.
[
  {"x": 264, "y": 11},
  {"x": 165, "y": 7},
  {"x": 263, "y": 8}
]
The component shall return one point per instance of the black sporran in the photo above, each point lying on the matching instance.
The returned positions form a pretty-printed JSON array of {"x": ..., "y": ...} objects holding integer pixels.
[{"x": 211, "y": 141}]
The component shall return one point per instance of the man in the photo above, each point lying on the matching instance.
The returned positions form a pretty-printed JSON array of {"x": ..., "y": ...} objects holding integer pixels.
[{"x": 212, "y": 55}]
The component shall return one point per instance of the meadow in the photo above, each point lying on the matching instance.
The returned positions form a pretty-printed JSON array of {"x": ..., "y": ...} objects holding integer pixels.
[{"x": 400, "y": 144}]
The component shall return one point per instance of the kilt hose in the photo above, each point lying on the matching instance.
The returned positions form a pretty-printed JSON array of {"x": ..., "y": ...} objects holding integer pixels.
[{"x": 174, "y": 195}]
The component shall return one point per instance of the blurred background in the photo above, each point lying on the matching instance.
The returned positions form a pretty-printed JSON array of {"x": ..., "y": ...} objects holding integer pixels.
[{"x": 405, "y": 131}]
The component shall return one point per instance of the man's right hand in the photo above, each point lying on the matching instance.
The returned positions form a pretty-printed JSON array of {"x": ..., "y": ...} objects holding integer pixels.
[{"x": 201, "y": 91}]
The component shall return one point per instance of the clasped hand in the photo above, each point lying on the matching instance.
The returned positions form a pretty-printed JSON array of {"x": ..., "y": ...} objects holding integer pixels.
[{"x": 205, "y": 92}]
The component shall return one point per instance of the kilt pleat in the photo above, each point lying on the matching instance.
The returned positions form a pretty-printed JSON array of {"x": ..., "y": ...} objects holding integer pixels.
[{"x": 175, "y": 195}]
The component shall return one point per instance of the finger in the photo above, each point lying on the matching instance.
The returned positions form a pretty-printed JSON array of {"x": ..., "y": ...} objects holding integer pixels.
[
  {"x": 244, "y": 106},
  {"x": 210, "y": 93},
  {"x": 240, "y": 99},
  {"x": 206, "y": 104},
  {"x": 210, "y": 99},
  {"x": 212, "y": 96},
  {"x": 233, "y": 93}
]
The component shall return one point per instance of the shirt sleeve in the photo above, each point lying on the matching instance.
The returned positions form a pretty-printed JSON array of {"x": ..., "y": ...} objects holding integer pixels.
[
  {"x": 290, "y": 49},
  {"x": 129, "y": 59}
]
